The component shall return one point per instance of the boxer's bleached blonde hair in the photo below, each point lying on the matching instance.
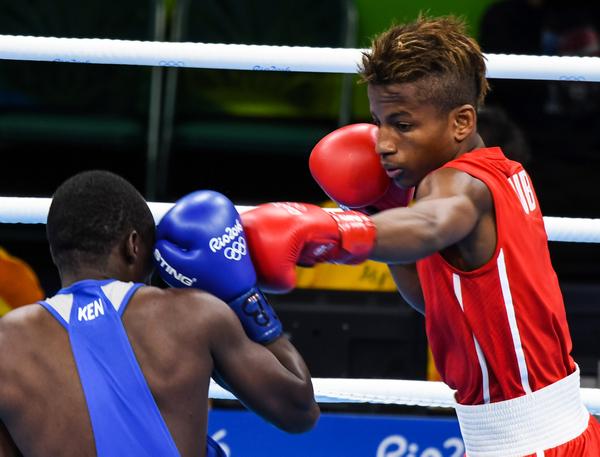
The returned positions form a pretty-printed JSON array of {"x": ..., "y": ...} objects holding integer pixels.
[{"x": 435, "y": 51}]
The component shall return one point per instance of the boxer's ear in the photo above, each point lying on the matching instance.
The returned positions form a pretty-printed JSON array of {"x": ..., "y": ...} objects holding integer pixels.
[
  {"x": 132, "y": 246},
  {"x": 464, "y": 121}
]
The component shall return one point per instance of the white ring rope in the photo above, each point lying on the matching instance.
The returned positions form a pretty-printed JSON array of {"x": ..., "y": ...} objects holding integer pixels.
[
  {"x": 265, "y": 58},
  {"x": 391, "y": 391},
  {"x": 34, "y": 210},
  {"x": 30, "y": 210}
]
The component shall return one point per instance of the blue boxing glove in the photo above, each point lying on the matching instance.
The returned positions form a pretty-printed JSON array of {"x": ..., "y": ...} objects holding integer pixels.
[{"x": 201, "y": 244}]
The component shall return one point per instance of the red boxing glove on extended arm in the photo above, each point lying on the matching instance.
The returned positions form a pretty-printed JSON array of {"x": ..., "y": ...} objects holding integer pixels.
[
  {"x": 283, "y": 235},
  {"x": 346, "y": 166}
]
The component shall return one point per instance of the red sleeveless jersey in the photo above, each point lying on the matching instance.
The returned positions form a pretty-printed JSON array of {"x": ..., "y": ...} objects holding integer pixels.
[{"x": 500, "y": 331}]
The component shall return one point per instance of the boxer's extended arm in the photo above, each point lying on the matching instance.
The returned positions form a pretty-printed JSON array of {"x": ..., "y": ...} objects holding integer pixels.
[
  {"x": 449, "y": 205},
  {"x": 271, "y": 380}
]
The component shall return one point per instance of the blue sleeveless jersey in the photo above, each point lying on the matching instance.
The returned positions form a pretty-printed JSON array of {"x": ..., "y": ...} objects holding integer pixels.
[{"x": 125, "y": 418}]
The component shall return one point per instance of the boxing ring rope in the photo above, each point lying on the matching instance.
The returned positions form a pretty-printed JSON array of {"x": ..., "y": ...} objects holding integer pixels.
[
  {"x": 265, "y": 58},
  {"x": 284, "y": 58},
  {"x": 392, "y": 392},
  {"x": 30, "y": 210}
]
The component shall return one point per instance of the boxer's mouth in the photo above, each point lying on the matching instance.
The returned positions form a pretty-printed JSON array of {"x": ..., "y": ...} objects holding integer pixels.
[{"x": 394, "y": 172}]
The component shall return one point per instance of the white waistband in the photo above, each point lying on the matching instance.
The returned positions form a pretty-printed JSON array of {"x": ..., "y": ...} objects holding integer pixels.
[{"x": 525, "y": 425}]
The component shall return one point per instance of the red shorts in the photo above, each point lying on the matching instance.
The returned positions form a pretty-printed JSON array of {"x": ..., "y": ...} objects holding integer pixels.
[{"x": 585, "y": 445}]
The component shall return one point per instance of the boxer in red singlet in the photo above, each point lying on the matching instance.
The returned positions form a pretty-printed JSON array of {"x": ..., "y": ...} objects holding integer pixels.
[{"x": 471, "y": 252}]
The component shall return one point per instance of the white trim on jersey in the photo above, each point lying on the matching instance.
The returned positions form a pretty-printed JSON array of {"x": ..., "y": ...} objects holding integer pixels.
[
  {"x": 62, "y": 304},
  {"x": 115, "y": 292},
  {"x": 512, "y": 321},
  {"x": 485, "y": 379}
]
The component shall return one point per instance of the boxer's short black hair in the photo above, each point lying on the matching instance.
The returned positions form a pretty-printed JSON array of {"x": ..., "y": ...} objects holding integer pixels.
[
  {"x": 435, "y": 52},
  {"x": 90, "y": 213}
]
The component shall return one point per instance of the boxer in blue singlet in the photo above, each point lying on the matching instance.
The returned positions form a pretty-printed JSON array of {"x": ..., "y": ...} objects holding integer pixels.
[
  {"x": 115, "y": 390},
  {"x": 111, "y": 367}
]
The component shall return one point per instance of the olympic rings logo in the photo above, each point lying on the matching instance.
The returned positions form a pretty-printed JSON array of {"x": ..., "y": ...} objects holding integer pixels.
[
  {"x": 236, "y": 251},
  {"x": 572, "y": 78},
  {"x": 70, "y": 60},
  {"x": 171, "y": 63},
  {"x": 232, "y": 242}
]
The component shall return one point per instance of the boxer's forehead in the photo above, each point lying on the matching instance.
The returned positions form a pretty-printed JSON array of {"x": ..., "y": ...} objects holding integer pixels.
[
  {"x": 396, "y": 93},
  {"x": 406, "y": 99}
]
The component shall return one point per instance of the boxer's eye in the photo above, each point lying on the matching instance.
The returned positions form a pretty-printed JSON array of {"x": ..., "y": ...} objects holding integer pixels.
[{"x": 403, "y": 126}]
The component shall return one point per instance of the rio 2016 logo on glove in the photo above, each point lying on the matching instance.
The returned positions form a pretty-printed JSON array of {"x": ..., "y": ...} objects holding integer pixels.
[
  {"x": 185, "y": 280},
  {"x": 231, "y": 236}
]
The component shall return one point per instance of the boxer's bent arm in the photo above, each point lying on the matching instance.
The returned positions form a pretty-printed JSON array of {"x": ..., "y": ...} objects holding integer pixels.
[
  {"x": 7, "y": 445},
  {"x": 408, "y": 284},
  {"x": 448, "y": 207},
  {"x": 271, "y": 380}
]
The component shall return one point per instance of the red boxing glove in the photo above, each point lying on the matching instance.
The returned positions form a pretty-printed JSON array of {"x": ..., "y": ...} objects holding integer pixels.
[
  {"x": 346, "y": 166},
  {"x": 283, "y": 235}
]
